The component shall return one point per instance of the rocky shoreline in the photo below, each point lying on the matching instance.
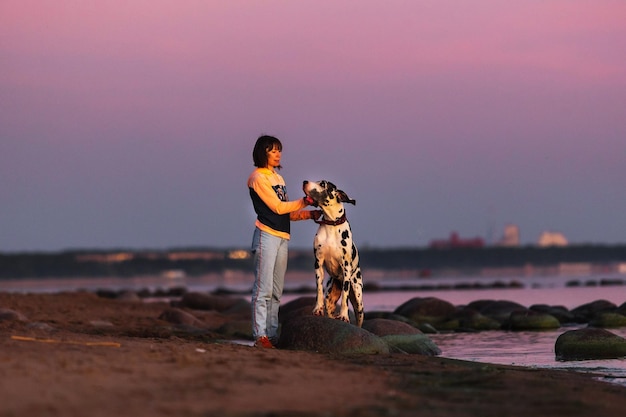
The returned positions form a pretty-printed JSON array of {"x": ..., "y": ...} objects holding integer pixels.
[
  {"x": 424, "y": 315},
  {"x": 80, "y": 353}
]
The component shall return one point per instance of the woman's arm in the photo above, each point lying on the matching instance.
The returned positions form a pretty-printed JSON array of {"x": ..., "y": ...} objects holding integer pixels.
[{"x": 264, "y": 190}]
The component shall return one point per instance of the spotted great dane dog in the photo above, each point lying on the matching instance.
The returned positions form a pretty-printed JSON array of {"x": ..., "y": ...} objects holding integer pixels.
[{"x": 336, "y": 253}]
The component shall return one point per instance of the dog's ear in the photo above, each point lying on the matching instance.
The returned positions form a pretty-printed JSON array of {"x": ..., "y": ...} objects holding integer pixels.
[{"x": 343, "y": 197}]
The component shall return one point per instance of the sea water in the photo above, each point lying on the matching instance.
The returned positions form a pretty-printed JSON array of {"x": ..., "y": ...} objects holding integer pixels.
[{"x": 533, "y": 349}]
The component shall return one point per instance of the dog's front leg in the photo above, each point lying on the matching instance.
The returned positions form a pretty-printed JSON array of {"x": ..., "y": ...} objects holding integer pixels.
[{"x": 318, "y": 310}]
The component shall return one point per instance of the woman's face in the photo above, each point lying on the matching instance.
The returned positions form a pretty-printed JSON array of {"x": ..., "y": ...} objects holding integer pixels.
[{"x": 273, "y": 157}]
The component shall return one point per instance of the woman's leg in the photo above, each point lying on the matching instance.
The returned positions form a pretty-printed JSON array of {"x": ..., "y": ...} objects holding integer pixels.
[
  {"x": 265, "y": 248},
  {"x": 280, "y": 268}
]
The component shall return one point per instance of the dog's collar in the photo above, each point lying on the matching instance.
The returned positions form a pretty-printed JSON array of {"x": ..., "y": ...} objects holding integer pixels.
[{"x": 337, "y": 222}]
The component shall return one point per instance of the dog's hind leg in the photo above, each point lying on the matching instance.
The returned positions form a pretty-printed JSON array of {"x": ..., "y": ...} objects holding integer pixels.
[
  {"x": 345, "y": 290},
  {"x": 333, "y": 292},
  {"x": 356, "y": 299}
]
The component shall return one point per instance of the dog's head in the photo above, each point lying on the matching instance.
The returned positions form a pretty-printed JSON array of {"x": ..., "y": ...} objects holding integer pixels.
[{"x": 325, "y": 193}]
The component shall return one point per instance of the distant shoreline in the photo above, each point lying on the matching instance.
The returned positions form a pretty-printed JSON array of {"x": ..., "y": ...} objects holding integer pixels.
[{"x": 406, "y": 262}]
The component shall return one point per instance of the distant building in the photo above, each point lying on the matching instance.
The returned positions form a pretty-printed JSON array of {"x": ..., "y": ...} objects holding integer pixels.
[
  {"x": 511, "y": 236},
  {"x": 456, "y": 242},
  {"x": 552, "y": 239}
]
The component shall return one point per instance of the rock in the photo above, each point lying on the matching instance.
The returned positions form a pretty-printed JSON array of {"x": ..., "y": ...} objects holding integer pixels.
[
  {"x": 562, "y": 314},
  {"x": 588, "y": 344},
  {"x": 605, "y": 282},
  {"x": 607, "y": 319},
  {"x": 499, "y": 310},
  {"x": 402, "y": 336},
  {"x": 213, "y": 320},
  {"x": 40, "y": 326},
  {"x": 241, "y": 309},
  {"x": 426, "y": 310},
  {"x": 423, "y": 327},
  {"x": 417, "y": 344},
  {"x": 326, "y": 335},
  {"x": 471, "y": 319},
  {"x": 303, "y": 306},
  {"x": 106, "y": 293},
  {"x": 384, "y": 327},
  {"x": 237, "y": 329},
  {"x": 144, "y": 293},
  {"x": 129, "y": 296},
  {"x": 378, "y": 314},
  {"x": 478, "y": 305},
  {"x": 530, "y": 320},
  {"x": 178, "y": 316},
  {"x": 302, "y": 311},
  {"x": 201, "y": 301},
  {"x": 427, "y": 328},
  {"x": 11, "y": 315},
  {"x": 300, "y": 304},
  {"x": 586, "y": 312},
  {"x": 621, "y": 309}
]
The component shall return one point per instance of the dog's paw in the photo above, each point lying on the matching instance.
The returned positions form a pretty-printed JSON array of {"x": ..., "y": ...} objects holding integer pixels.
[
  {"x": 343, "y": 318},
  {"x": 318, "y": 311}
]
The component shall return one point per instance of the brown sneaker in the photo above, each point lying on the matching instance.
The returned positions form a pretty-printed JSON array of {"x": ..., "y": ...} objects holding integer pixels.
[{"x": 264, "y": 342}]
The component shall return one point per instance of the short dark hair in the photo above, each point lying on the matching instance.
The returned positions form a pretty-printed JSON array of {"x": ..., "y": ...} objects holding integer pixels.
[{"x": 263, "y": 145}]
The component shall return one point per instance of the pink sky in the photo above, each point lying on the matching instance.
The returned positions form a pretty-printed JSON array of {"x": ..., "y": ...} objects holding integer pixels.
[{"x": 131, "y": 123}]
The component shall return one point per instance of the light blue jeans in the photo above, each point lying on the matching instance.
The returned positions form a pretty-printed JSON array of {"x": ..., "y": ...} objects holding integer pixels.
[{"x": 270, "y": 264}]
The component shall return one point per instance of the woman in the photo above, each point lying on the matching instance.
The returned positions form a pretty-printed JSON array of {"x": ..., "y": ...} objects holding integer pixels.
[{"x": 271, "y": 236}]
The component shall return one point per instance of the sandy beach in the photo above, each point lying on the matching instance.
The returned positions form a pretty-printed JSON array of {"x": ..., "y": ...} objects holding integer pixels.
[{"x": 76, "y": 354}]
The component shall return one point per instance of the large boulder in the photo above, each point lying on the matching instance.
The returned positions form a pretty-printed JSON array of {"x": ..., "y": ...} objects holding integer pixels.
[
  {"x": 371, "y": 315},
  {"x": 561, "y": 313},
  {"x": 498, "y": 310},
  {"x": 429, "y": 310},
  {"x": 402, "y": 336},
  {"x": 326, "y": 335},
  {"x": 303, "y": 306},
  {"x": 469, "y": 319},
  {"x": 297, "y": 304},
  {"x": 385, "y": 327},
  {"x": 589, "y": 343},
  {"x": 530, "y": 320},
  {"x": 423, "y": 327},
  {"x": 588, "y": 311},
  {"x": 608, "y": 319}
]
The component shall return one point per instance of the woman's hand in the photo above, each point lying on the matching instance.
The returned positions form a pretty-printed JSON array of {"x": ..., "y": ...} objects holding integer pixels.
[{"x": 316, "y": 214}]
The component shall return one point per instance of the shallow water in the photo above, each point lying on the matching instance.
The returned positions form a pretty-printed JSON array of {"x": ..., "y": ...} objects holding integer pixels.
[
  {"x": 521, "y": 348},
  {"x": 530, "y": 349}
]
